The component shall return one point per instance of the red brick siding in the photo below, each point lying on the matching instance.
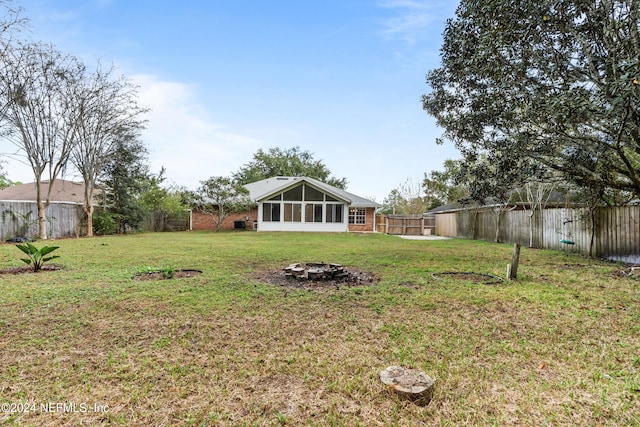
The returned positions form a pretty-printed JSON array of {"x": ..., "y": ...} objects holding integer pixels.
[
  {"x": 204, "y": 222},
  {"x": 369, "y": 224}
]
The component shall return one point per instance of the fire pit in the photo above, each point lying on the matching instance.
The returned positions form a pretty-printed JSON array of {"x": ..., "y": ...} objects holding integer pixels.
[
  {"x": 316, "y": 271},
  {"x": 316, "y": 276}
]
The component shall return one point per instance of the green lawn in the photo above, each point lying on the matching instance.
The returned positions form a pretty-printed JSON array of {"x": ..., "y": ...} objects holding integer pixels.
[{"x": 559, "y": 346}]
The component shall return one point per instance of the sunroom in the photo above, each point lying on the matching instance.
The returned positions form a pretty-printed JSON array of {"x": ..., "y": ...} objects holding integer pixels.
[
  {"x": 305, "y": 204},
  {"x": 302, "y": 206}
]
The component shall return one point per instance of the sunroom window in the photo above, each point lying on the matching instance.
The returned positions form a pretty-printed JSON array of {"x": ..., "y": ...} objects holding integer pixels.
[
  {"x": 271, "y": 212},
  {"x": 313, "y": 195},
  {"x": 293, "y": 212},
  {"x": 293, "y": 195},
  {"x": 333, "y": 213},
  {"x": 313, "y": 212}
]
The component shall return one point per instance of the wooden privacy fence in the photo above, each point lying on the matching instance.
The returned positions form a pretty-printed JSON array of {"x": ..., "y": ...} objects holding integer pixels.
[
  {"x": 413, "y": 225},
  {"x": 615, "y": 235},
  {"x": 20, "y": 219},
  {"x": 65, "y": 219},
  {"x": 159, "y": 221}
]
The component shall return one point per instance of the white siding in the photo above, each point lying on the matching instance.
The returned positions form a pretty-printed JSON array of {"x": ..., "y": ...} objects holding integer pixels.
[{"x": 332, "y": 227}]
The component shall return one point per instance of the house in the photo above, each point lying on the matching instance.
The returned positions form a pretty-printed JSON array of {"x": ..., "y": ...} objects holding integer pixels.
[
  {"x": 62, "y": 191},
  {"x": 298, "y": 204}
]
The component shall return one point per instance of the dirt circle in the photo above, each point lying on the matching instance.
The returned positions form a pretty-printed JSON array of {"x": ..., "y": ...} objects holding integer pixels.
[
  {"x": 354, "y": 279},
  {"x": 166, "y": 274},
  {"x": 29, "y": 269}
]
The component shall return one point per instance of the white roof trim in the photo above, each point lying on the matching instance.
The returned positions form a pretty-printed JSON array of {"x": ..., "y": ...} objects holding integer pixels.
[{"x": 293, "y": 183}]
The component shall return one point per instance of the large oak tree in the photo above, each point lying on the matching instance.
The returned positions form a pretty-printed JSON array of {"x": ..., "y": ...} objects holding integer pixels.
[
  {"x": 551, "y": 84},
  {"x": 287, "y": 162}
]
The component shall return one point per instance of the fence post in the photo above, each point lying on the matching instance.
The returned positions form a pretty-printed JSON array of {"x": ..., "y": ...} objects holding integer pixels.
[{"x": 512, "y": 269}]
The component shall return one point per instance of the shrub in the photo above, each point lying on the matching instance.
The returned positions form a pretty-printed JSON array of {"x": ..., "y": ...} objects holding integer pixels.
[
  {"x": 104, "y": 223},
  {"x": 37, "y": 257}
]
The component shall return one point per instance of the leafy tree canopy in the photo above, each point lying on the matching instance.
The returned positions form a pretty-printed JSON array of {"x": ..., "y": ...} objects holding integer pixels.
[
  {"x": 289, "y": 162},
  {"x": 219, "y": 196},
  {"x": 4, "y": 182},
  {"x": 124, "y": 180},
  {"x": 156, "y": 197},
  {"x": 446, "y": 186},
  {"x": 392, "y": 204},
  {"x": 407, "y": 199},
  {"x": 552, "y": 84}
]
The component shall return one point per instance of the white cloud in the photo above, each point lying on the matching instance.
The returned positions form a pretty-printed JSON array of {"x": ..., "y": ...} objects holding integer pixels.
[
  {"x": 412, "y": 18},
  {"x": 182, "y": 137}
]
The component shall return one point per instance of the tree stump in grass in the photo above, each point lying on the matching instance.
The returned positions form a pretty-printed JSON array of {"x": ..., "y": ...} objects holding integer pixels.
[{"x": 409, "y": 384}]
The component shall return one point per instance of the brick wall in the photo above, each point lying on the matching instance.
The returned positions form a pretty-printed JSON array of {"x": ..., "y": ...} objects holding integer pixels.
[
  {"x": 369, "y": 224},
  {"x": 204, "y": 222}
]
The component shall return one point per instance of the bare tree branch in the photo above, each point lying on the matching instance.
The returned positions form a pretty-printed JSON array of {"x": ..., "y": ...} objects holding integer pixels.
[{"x": 37, "y": 86}]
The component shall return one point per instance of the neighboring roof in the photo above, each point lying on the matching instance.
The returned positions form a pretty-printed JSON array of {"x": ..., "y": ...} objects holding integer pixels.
[
  {"x": 261, "y": 190},
  {"x": 445, "y": 208},
  {"x": 63, "y": 191}
]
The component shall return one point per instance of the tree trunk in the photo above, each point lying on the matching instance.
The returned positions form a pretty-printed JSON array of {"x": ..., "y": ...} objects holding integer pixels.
[
  {"x": 87, "y": 207},
  {"x": 42, "y": 221},
  {"x": 89, "y": 212},
  {"x": 497, "y": 221},
  {"x": 42, "y": 214},
  {"x": 221, "y": 216}
]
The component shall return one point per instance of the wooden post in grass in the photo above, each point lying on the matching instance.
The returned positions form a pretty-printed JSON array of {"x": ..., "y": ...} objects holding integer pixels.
[{"x": 512, "y": 269}]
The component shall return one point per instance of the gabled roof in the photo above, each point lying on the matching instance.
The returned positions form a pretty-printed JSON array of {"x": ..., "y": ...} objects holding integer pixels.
[
  {"x": 266, "y": 188},
  {"x": 63, "y": 191}
]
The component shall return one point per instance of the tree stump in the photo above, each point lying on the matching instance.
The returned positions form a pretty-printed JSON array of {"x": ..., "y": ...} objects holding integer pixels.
[{"x": 410, "y": 384}]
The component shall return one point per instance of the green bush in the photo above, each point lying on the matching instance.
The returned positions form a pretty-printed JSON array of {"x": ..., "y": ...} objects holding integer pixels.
[{"x": 104, "y": 223}]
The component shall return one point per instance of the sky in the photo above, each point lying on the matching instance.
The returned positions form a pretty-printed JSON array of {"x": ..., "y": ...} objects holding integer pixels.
[{"x": 341, "y": 79}]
